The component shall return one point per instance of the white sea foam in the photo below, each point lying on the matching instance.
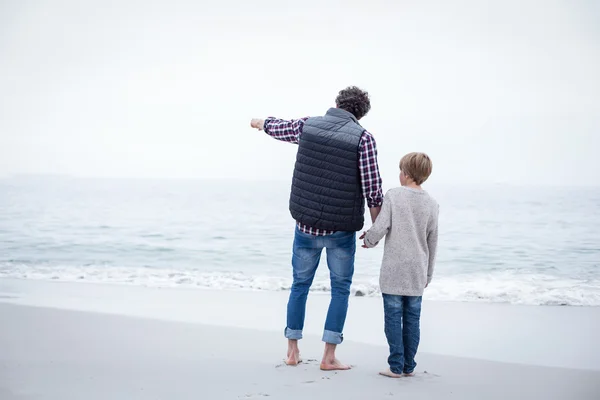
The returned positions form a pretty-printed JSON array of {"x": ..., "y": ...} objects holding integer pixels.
[{"x": 505, "y": 287}]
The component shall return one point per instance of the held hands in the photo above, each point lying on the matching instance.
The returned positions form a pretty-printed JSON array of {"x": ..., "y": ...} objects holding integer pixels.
[
  {"x": 257, "y": 123},
  {"x": 364, "y": 245},
  {"x": 362, "y": 237}
]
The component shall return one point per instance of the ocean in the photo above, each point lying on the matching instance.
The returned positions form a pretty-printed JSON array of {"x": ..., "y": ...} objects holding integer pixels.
[{"x": 518, "y": 245}]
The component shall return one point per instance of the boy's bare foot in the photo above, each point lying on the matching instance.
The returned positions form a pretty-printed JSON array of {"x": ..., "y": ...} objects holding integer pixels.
[
  {"x": 410, "y": 374},
  {"x": 334, "y": 365},
  {"x": 390, "y": 374}
]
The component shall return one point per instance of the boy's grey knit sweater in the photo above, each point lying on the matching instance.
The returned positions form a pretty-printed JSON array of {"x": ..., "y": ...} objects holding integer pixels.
[{"x": 409, "y": 220}]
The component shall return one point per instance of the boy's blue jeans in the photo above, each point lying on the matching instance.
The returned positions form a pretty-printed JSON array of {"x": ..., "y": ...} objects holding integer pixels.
[
  {"x": 402, "y": 315},
  {"x": 341, "y": 247}
]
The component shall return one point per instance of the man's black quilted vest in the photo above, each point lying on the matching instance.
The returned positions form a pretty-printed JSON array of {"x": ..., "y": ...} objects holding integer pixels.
[{"x": 326, "y": 188}]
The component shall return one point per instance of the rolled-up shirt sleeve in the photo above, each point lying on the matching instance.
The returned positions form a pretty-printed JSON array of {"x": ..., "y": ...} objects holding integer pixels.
[
  {"x": 284, "y": 130},
  {"x": 369, "y": 171}
]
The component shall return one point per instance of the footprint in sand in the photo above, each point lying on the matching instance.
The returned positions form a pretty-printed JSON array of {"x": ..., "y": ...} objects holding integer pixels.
[
  {"x": 420, "y": 376},
  {"x": 426, "y": 374}
]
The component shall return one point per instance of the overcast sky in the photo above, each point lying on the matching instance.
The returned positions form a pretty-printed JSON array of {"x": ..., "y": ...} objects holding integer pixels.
[{"x": 496, "y": 91}]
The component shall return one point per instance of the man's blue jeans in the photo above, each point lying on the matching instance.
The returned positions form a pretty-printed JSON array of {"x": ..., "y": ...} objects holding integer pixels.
[
  {"x": 341, "y": 247},
  {"x": 402, "y": 319}
]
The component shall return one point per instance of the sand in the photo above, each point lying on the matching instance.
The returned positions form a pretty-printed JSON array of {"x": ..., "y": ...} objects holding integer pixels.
[{"x": 82, "y": 341}]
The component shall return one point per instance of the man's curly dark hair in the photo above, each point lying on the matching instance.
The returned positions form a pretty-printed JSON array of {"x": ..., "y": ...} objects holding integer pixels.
[{"x": 354, "y": 100}]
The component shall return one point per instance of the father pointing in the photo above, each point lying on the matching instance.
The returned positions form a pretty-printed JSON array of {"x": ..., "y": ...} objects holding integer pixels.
[{"x": 336, "y": 170}]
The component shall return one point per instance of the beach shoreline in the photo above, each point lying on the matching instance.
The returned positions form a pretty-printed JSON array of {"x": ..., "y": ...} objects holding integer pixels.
[
  {"x": 50, "y": 353},
  {"x": 533, "y": 335}
]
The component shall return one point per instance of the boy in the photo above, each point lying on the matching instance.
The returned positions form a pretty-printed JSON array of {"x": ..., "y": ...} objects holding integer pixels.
[{"x": 409, "y": 220}]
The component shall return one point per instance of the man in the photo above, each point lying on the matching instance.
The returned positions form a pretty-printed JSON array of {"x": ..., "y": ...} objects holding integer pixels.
[{"x": 336, "y": 170}]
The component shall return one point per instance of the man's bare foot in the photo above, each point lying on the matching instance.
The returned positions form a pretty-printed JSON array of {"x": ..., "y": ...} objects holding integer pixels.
[
  {"x": 293, "y": 358},
  {"x": 293, "y": 353},
  {"x": 409, "y": 375},
  {"x": 330, "y": 362},
  {"x": 390, "y": 374},
  {"x": 334, "y": 365}
]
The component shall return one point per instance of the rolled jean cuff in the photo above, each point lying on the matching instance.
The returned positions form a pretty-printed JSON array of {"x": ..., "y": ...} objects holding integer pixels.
[
  {"x": 397, "y": 370},
  {"x": 332, "y": 337},
  {"x": 293, "y": 334}
]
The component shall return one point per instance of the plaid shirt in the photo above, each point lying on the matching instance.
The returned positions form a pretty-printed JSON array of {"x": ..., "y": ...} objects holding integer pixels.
[{"x": 290, "y": 131}]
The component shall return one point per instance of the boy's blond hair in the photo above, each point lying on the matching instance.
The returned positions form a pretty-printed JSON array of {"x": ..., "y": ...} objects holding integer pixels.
[{"x": 417, "y": 166}]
